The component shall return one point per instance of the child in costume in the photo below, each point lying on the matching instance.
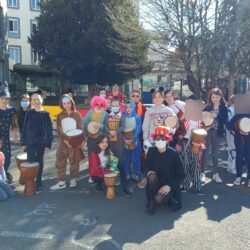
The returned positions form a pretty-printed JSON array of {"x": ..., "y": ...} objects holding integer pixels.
[
  {"x": 116, "y": 145},
  {"x": 94, "y": 122},
  {"x": 7, "y": 122},
  {"x": 37, "y": 135},
  {"x": 69, "y": 119},
  {"x": 102, "y": 161},
  {"x": 132, "y": 130}
]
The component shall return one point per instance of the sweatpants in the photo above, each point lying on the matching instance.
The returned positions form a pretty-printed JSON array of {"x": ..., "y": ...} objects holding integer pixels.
[
  {"x": 132, "y": 156},
  {"x": 35, "y": 153}
]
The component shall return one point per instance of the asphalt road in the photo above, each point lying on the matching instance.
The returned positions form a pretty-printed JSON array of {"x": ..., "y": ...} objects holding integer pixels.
[{"x": 82, "y": 218}]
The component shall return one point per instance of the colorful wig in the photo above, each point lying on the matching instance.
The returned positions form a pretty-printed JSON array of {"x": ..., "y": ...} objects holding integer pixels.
[{"x": 98, "y": 100}]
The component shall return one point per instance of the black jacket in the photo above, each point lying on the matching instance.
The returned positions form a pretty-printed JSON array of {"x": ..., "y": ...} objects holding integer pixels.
[
  {"x": 168, "y": 166},
  {"x": 37, "y": 128}
]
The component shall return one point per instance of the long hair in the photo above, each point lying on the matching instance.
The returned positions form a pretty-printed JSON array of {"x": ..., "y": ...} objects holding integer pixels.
[
  {"x": 22, "y": 97},
  {"x": 97, "y": 150},
  {"x": 216, "y": 91}
]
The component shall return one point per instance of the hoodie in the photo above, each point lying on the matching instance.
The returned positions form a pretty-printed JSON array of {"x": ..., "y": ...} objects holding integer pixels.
[
  {"x": 132, "y": 122},
  {"x": 65, "y": 121},
  {"x": 154, "y": 117}
]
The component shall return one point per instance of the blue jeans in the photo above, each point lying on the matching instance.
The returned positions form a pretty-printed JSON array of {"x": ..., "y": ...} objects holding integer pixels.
[
  {"x": 242, "y": 146},
  {"x": 5, "y": 191}
]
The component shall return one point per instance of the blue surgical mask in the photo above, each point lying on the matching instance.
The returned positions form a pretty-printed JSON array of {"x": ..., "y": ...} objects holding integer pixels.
[
  {"x": 115, "y": 109},
  {"x": 24, "y": 104}
]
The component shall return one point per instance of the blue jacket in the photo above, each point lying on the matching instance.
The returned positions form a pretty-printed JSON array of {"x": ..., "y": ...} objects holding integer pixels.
[
  {"x": 137, "y": 120},
  {"x": 222, "y": 118}
]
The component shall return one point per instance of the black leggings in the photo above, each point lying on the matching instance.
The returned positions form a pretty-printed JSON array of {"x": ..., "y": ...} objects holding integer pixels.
[{"x": 153, "y": 186}]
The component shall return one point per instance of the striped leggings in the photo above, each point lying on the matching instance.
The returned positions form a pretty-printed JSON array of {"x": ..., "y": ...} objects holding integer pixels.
[{"x": 191, "y": 166}]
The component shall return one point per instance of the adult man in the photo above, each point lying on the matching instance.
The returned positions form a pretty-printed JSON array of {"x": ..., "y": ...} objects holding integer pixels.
[{"x": 164, "y": 172}]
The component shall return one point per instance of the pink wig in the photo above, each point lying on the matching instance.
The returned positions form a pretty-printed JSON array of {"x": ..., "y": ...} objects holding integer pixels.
[{"x": 98, "y": 100}]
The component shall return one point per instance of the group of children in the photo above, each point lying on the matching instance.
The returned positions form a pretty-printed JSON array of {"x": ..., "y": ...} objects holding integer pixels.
[{"x": 118, "y": 132}]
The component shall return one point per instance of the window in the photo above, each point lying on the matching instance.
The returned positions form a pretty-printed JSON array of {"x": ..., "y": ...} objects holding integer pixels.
[
  {"x": 34, "y": 57},
  {"x": 35, "y": 4},
  {"x": 14, "y": 27},
  {"x": 13, "y": 3},
  {"x": 15, "y": 54},
  {"x": 33, "y": 26}
]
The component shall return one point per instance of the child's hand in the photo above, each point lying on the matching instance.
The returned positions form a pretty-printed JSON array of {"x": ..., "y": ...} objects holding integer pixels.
[
  {"x": 1, "y": 159},
  {"x": 82, "y": 144},
  {"x": 128, "y": 141},
  {"x": 112, "y": 132},
  {"x": 67, "y": 143},
  {"x": 47, "y": 150}
]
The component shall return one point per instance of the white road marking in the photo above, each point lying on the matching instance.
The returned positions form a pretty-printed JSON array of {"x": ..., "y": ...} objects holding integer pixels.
[{"x": 27, "y": 235}]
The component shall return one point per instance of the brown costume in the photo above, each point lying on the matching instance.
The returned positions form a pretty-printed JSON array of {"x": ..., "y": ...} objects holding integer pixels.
[{"x": 63, "y": 151}]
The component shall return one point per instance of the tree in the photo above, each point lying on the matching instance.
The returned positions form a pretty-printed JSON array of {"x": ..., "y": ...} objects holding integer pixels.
[
  {"x": 234, "y": 37},
  {"x": 85, "y": 41}
]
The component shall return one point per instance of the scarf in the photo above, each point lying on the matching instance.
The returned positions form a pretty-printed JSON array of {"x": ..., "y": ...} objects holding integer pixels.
[{"x": 139, "y": 109}]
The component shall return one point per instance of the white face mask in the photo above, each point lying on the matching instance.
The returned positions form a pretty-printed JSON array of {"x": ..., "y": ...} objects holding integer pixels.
[{"x": 160, "y": 144}]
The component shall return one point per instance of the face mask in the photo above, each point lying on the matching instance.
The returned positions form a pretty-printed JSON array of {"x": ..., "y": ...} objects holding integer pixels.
[
  {"x": 160, "y": 144},
  {"x": 103, "y": 95},
  {"x": 115, "y": 109},
  {"x": 24, "y": 104}
]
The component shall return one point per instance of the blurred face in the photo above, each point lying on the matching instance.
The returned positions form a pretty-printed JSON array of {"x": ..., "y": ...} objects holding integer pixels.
[
  {"x": 158, "y": 99},
  {"x": 169, "y": 99},
  {"x": 129, "y": 108},
  {"x": 67, "y": 106},
  {"x": 36, "y": 101},
  {"x": 103, "y": 144},
  {"x": 3, "y": 102},
  {"x": 102, "y": 93},
  {"x": 115, "y": 89},
  {"x": 115, "y": 107},
  {"x": 215, "y": 99},
  {"x": 135, "y": 97}
]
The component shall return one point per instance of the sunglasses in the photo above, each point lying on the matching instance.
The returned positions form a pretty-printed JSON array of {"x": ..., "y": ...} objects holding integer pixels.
[
  {"x": 99, "y": 105},
  {"x": 136, "y": 96},
  {"x": 157, "y": 138}
]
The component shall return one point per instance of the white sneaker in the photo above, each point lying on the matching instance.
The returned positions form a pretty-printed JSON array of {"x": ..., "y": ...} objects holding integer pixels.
[
  {"x": 248, "y": 184},
  {"x": 217, "y": 178},
  {"x": 237, "y": 181},
  {"x": 72, "y": 183},
  {"x": 90, "y": 180},
  {"x": 59, "y": 185},
  {"x": 202, "y": 177}
]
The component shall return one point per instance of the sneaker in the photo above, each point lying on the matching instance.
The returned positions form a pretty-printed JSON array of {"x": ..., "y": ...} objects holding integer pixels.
[
  {"x": 237, "y": 181},
  {"x": 72, "y": 183},
  {"x": 217, "y": 178},
  {"x": 127, "y": 177},
  {"x": 127, "y": 191},
  {"x": 199, "y": 192},
  {"x": 203, "y": 177},
  {"x": 90, "y": 180},
  {"x": 39, "y": 188},
  {"x": 248, "y": 184},
  {"x": 135, "y": 177},
  {"x": 151, "y": 208},
  {"x": 184, "y": 190},
  {"x": 59, "y": 185}
]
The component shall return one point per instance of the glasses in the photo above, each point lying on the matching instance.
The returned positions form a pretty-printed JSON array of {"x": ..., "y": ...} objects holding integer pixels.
[
  {"x": 99, "y": 105},
  {"x": 163, "y": 138},
  {"x": 137, "y": 96}
]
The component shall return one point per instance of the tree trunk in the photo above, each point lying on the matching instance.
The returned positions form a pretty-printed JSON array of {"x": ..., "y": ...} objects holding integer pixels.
[
  {"x": 231, "y": 83},
  {"x": 193, "y": 84},
  {"x": 91, "y": 92}
]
